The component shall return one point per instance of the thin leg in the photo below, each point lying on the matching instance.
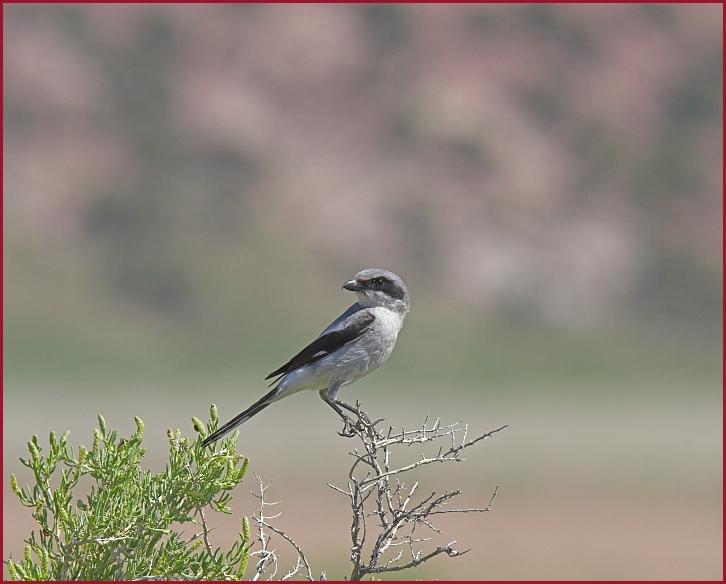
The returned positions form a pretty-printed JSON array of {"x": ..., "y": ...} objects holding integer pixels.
[
  {"x": 328, "y": 396},
  {"x": 351, "y": 409},
  {"x": 333, "y": 404},
  {"x": 332, "y": 393}
]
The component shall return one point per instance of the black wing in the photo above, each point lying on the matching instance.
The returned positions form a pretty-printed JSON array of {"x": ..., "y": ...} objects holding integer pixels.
[{"x": 328, "y": 343}]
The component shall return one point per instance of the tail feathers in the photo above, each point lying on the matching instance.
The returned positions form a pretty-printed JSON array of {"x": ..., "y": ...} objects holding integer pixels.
[{"x": 254, "y": 409}]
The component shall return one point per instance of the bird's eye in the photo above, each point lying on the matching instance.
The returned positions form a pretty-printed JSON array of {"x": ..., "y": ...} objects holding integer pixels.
[{"x": 378, "y": 282}]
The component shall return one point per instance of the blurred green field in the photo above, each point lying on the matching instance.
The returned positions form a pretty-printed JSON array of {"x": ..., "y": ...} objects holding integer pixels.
[{"x": 75, "y": 336}]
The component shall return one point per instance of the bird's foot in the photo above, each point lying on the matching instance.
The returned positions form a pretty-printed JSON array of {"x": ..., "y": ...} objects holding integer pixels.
[{"x": 349, "y": 428}]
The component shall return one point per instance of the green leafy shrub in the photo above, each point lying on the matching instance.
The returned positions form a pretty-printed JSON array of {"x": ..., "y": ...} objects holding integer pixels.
[{"x": 131, "y": 522}]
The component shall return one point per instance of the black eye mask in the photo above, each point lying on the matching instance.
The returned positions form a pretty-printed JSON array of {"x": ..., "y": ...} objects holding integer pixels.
[{"x": 387, "y": 287}]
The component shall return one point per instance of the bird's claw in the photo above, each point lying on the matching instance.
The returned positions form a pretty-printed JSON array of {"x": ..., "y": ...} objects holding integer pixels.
[{"x": 349, "y": 428}]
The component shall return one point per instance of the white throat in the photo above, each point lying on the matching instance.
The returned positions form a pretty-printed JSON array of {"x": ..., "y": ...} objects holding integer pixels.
[{"x": 370, "y": 299}]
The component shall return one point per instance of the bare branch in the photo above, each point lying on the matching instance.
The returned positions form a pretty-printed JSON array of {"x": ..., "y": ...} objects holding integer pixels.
[
  {"x": 376, "y": 490},
  {"x": 448, "y": 550},
  {"x": 205, "y": 532},
  {"x": 268, "y": 557},
  {"x": 384, "y": 496}
]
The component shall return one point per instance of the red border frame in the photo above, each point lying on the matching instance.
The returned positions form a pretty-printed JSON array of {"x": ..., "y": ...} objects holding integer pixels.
[{"x": 2, "y": 159}]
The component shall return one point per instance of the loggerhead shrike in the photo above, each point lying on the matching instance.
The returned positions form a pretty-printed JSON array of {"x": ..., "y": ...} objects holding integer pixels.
[{"x": 354, "y": 344}]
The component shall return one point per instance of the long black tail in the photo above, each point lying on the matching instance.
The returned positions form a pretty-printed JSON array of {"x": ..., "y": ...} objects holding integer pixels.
[{"x": 255, "y": 408}]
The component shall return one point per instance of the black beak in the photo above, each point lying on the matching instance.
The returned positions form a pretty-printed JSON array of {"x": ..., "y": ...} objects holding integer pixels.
[{"x": 352, "y": 285}]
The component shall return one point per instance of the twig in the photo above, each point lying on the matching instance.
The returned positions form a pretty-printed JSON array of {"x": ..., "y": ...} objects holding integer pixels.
[
  {"x": 378, "y": 491},
  {"x": 385, "y": 512},
  {"x": 205, "y": 532},
  {"x": 268, "y": 557}
]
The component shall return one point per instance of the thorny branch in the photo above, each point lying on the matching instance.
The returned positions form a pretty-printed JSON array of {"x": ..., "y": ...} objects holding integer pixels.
[
  {"x": 267, "y": 565},
  {"x": 386, "y": 509},
  {"x": 381, "y": 500}
]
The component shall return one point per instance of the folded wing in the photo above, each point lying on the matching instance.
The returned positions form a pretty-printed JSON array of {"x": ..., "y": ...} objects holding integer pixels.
[{"x": 329, "y": 342}]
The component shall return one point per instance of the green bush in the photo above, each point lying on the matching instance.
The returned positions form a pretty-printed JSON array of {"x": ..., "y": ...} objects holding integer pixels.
[{"x": 129, "y": 524}]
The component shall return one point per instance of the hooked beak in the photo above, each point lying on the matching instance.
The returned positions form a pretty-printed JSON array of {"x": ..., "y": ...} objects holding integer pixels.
[{"x": 353, "y": 286}]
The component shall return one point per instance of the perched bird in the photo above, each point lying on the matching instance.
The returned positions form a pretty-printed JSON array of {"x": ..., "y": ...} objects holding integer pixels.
[{"x": 354, "y": 344}]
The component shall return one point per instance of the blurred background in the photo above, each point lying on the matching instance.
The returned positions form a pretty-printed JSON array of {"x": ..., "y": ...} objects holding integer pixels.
[{"x": 186, "y": 188}]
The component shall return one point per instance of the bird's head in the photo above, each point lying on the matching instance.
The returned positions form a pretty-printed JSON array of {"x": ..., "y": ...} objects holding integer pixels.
[{"x": 376, "y": 287}]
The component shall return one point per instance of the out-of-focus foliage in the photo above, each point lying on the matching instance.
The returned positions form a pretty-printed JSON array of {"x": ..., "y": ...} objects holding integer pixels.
[
  {"x": 133, "y": 523},
  {"x": 557, "y": 162}
]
